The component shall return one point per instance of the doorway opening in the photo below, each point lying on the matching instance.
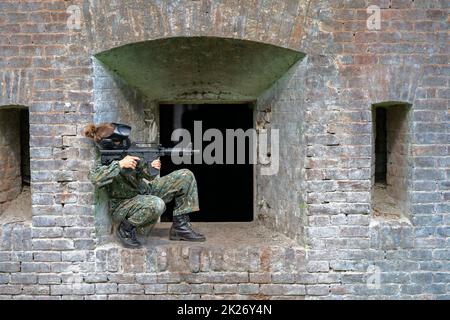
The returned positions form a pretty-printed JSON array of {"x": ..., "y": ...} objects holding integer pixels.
[
  {"x": 391, "y": 168},
  {"x": 380, "y": 146},
  {"x": 15, "y": 195},
  {"x": 225, "y": 190}
]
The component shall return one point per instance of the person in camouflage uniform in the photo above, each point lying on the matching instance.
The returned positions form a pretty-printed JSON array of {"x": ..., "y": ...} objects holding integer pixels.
[{"x": 137, "y": 204}]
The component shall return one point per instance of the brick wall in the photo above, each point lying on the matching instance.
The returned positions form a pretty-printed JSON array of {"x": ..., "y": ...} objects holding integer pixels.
[
  {"x": 281, "y": 197},
  {"x": 115, "y": 101},
  {"x": 48, "y": 67}
]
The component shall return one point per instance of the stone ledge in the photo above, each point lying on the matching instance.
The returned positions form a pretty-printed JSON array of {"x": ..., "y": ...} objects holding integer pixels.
[
  {"x": 223, "y": 234},
  {"x": 235, "y": 247}
]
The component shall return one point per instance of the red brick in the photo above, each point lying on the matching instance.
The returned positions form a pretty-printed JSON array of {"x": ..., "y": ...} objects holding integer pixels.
[{"x": 366, "y": 59}]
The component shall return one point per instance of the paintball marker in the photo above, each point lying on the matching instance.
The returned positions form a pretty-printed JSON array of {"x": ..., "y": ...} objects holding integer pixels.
[{"x": 146, "y": 154}]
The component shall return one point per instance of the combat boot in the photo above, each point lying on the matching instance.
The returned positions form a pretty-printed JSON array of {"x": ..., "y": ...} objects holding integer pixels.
[
  {"x": 126, "y": 233},
  {"x": 182, "y": 229}
]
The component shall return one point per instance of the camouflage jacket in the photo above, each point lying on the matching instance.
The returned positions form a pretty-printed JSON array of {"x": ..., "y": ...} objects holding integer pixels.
[{"x": 121, "y": 183}]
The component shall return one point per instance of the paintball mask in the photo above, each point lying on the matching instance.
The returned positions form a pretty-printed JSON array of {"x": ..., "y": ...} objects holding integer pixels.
[{"x": 119, "y": 139}]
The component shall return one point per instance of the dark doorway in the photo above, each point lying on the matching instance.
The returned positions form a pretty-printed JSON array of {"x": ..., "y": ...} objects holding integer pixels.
[
  {"x": 25, "y": 146},
  {"x": 225, "y": 190},
  {"x": 380, "y": 146}
]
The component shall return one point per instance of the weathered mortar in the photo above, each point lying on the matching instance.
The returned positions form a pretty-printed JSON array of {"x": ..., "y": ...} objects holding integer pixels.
[{"x": 348, "y": 68}]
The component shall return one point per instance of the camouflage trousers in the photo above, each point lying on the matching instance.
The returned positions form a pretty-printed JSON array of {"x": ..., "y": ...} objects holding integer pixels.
[{"x": 143, "y": 211}]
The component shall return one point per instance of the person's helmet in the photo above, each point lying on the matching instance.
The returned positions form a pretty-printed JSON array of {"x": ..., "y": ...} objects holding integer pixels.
[{"x": 119, "y": 139}]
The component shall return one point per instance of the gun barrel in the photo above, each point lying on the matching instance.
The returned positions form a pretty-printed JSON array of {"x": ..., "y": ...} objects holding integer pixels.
[
  {"x": 140, "y": 150},
  {"x": 168, "y": 151}
]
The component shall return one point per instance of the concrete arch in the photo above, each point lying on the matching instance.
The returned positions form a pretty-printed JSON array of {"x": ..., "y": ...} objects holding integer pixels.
[{"x": 200, "y": 69}]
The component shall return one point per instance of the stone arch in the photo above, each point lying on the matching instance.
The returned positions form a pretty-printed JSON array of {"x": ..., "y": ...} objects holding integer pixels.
[
  {"x": 16, "y": 86},
  {"x": 391, "y": 83},
  {"x": 281, "y": 23}
]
